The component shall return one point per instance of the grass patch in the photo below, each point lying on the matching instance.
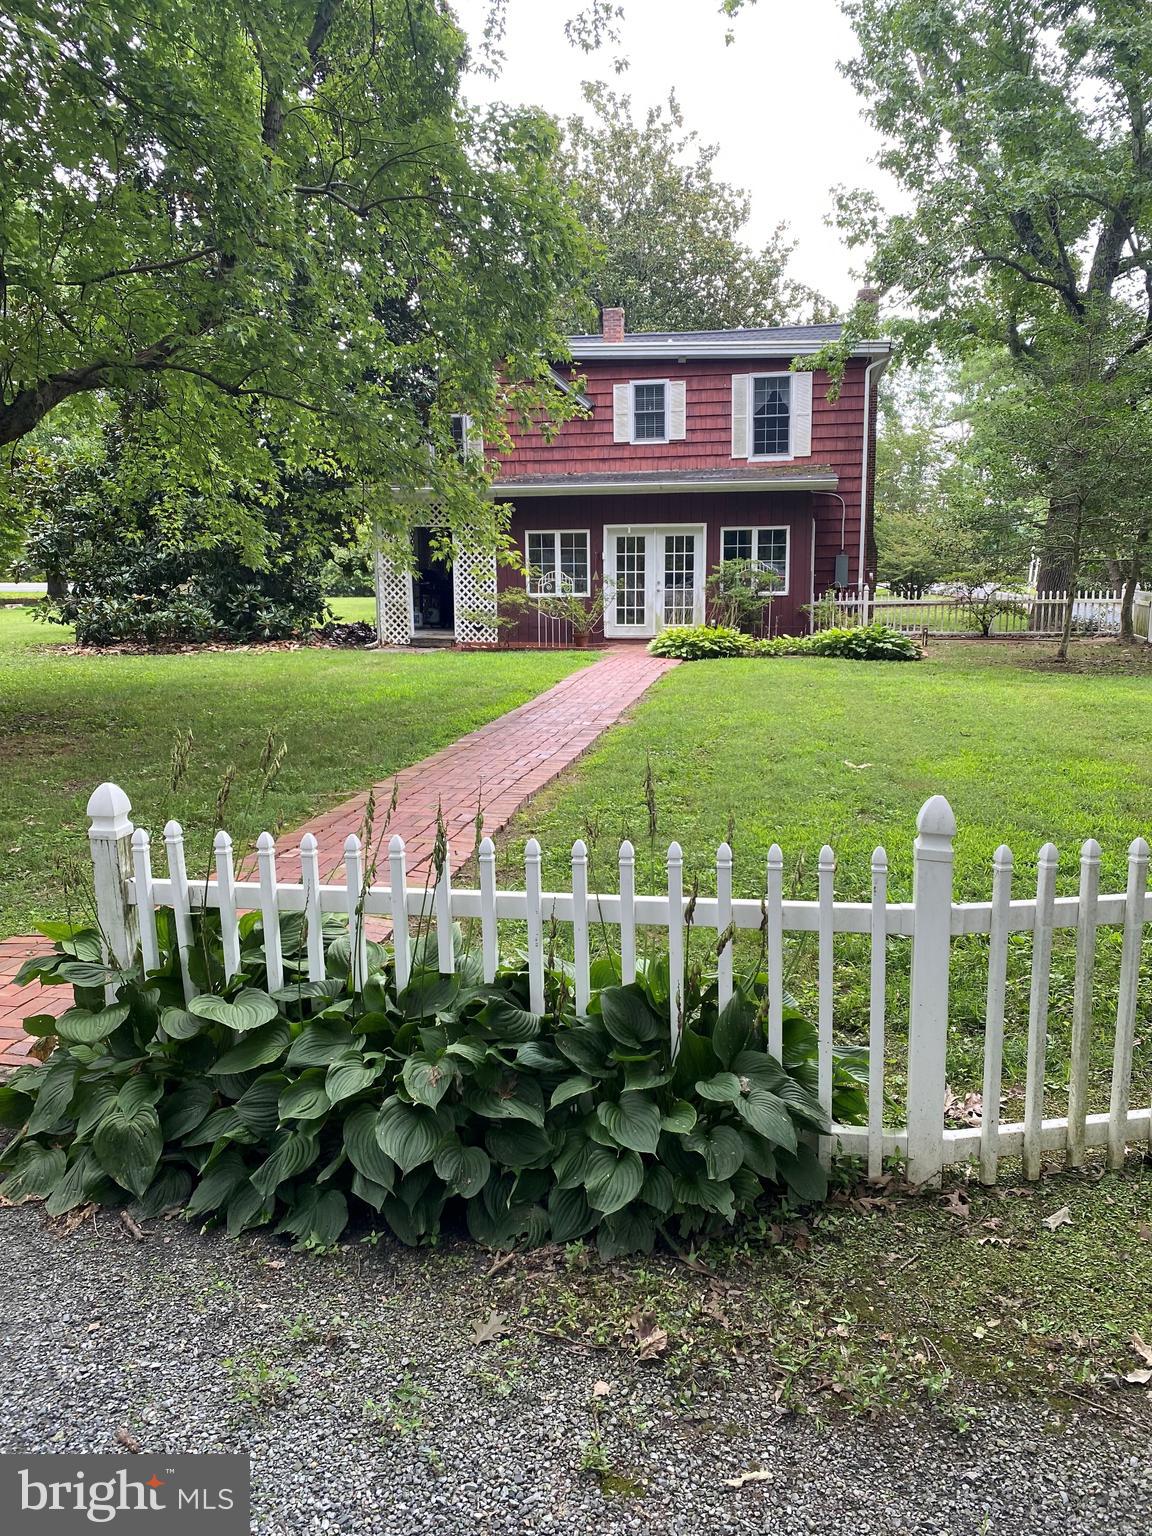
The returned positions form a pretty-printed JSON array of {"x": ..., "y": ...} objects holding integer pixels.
[
  {"x": 804, "y": 752},
  {"x": 349, "y": 718}
]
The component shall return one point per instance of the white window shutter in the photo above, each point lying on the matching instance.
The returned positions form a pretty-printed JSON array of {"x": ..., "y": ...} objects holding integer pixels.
[
  {"x": 801, "y": 415},
  {"x": 740, "y": 389},
  {"x": 677, "y": 410},
  {"x": 622, "y": 413}
]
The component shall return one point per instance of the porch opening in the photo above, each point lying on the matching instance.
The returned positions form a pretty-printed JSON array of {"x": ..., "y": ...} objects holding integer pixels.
[{"x": 433, "y": 602}]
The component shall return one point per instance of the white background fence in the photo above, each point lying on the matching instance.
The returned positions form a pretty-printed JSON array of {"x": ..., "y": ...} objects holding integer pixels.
[
  {"x": 129, "y": 893},
  {"x": 938, "y": 613}
]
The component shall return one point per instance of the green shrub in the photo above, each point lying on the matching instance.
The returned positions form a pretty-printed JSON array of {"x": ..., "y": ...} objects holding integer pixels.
[
  {"x": 701, "y": 642},
  {"x": 871, "y": 642},
  {"x": 313, "y": 1105}
]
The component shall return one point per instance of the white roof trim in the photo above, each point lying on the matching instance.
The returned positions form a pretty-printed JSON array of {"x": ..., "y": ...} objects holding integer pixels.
[
  {"x": 675, "y": 347},
  {"x": 799, "y": 482}
]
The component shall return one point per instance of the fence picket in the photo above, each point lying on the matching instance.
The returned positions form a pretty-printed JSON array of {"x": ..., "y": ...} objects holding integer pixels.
[
  {"x": 398, "y": 896},
  {"x": 994, "y": 1013},
  {"x": 354, "y": 887},
  {"x": 226, "y": 886},
  {"x": 181, "y": 910},
  {"x": 442, "y": 906},
  {"x": 581, "y": 963},
  {"x": 825, "y": 984},
  {"x": 774, "y": 917},
  {"x": 489, "y": 935},
  {"x": 1082, "y": 1001},
  {"x": 270, "y": 910},
  {"x": 145, "y": 905},
  {"x": 876, "y": 1011},
  {"x": 627, "y": 913},
  {"x": 1134, "y": 902},
  {"x": 675, "y": 945},
  {"x": 1038, "y": 1008},
  {"x": 724, "y": 936},
  {"x": 313, "y": 912},
  {"x": 928, "y": 999},
  {"x": 535, "y": 926}
]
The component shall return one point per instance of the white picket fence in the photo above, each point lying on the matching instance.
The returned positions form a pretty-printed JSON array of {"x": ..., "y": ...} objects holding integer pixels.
[
  {"x": 129, "y": 894},
  {"x": 937, "y": 613}
]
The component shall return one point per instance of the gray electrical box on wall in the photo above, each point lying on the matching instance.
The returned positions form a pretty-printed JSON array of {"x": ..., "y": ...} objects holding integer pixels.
[{"x": 841, "y": 579}]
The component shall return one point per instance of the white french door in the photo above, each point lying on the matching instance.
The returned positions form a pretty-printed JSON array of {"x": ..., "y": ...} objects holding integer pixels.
[{"x": 653, "y": 577}]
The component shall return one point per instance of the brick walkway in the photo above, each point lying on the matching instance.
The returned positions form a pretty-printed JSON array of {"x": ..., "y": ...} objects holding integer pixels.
[{"x": 499, "y": 767}]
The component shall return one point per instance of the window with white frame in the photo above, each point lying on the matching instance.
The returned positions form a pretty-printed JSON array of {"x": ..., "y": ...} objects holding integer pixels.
[
  {"x": 464, "y": 436},
  {"x": 558, "y": 563},
  {"x": 650, "y": 412},
  {"x": 768, "y": 547},
  {"x": 771, "y": 415}
]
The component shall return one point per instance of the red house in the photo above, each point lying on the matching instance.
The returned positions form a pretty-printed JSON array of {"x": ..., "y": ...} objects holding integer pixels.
[{"x": 695, "y": 447}]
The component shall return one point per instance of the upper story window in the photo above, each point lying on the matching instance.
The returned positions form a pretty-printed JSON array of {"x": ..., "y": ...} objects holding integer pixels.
[
  {"x": 465, "y": 436},
  {"x": 771, "y": 415},
  {"x": 650, "y": 413},
  {"x": 558, "y": 563}
]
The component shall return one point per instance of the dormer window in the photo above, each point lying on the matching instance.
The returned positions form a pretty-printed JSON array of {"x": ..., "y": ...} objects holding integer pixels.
[
  {"x": 650, "y": 412},
  {"x": 465, "y": 436}
]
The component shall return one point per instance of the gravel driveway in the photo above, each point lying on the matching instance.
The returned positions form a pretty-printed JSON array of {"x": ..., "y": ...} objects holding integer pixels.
[{"x": 355, "y": 1383}]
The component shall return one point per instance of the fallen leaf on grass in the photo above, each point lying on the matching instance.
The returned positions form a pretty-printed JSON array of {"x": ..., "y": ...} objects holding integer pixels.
[
  {"x": 958, "y": 1204},
  {"x": 651, "y": 1339},
  {"x": 758, "y": 1475},
  {"x": 1060, "y": 1218},
  {"x": 1144, "y": 1232},
  {"x": 485, "y": 1330},
  {"x": 1139, "y": 1378},
  {"x": 856, "y": 767},
  {"x": 1142, "y": 1349}
]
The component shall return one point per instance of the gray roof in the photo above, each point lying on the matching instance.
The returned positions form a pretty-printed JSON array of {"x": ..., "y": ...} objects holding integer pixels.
[
  {"x": 769, "y": 333},
  {"x": 739, "y": 477}
]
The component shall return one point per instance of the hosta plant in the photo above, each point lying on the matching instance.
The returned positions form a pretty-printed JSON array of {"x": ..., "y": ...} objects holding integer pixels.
[{"x": 449, "y": 1101}]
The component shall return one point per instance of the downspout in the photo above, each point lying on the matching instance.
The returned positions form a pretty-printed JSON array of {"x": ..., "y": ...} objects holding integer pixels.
[{"x": 879, "y": 364}]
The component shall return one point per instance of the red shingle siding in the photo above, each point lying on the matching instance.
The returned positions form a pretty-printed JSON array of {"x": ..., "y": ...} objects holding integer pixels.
[{"x": 587, "y": 446}]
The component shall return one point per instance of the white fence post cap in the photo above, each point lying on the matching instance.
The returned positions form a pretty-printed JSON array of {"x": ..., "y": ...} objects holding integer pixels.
[
  {"x": 108, "y": 809},
  {"x": 936, "y": 819}
]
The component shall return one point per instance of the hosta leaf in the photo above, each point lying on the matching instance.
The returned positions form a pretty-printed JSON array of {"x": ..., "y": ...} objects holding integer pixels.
[
  {"x": 317, "y": 1218},
  {"x": 350, "y": 1074},
  {"x": 79, "y": 1026},
  {"x": 219, "y": 1183},
  {"x": 364, "y": 1151},
  {"x": 179, "y": 1024},
  {"x": 570, "y": 1215},
  {"x": 248, "y": 1208},
  {"x": 628, "y": 1017},
  {"x": 612, "y": 1179},
  {"x": 35, "y": 1172},
  {"x": 56, "y": 1085},
  {"x": 168, "y": 1190},
  {"x": 535, "y": 1056},
  {"x": 694, "y": 1060},
  {"x": 769, "y": 1116},
  {"x": 495, "y": 1105},
  {"x": 733, "y": 1030},
  {"x": 680, "y": 1119},
  {"x": 248, "y": 1010},
  {"x": 802, "y": 1172},
  {"x": 258, "y": 1049},
  {"x": 515, "y": 1144},
  {"x": 758, "y": 1155},
  {"x": 15, "y": 1107},
  {"x": 570, "y": 1088},
  {"x": 292, "y": 1152},
  {"x": 724, "y": 1088},
  {"x": 128, "y": 1144},
  {"x": 83, "y": 1181},
  {"x": 464, "y": 1169},
  {"x": 257, "y": 1108},
  {"x": 720, "y": 1147},
  {"x": 505, "y": 1021},
  {"x": 92, "y": 1103},
  {"x": 632, "y": 1122},
  {"x": 760, "y": 1068},
  {"x": 710, "y": 1194},
  {"x": 585, "y": 1047},
  {"x": 319, "y": 1044},
  {"x": 82, "y": 973},
  {"x": 408, "y": 1133},
  {"x": 657, "y": 1189},
  {"x": 220, "y": 1123},
  {"x": 571, "y": 1166},
  {"x": 428, "y": 1079},
  {"x": 625, "y": 1232},
  {"x": 305, "y": 1099},
  {"x": 468, "y": 1049},
  {"x": 371, "y": 1193}
]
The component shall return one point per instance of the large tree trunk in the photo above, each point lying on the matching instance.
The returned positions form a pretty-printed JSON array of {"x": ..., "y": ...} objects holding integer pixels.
[
  {"x": 57, "y": 584},
  {"x": 1055, "y": 569}
]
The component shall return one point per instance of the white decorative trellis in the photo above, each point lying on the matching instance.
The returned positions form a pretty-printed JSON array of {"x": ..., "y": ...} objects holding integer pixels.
[
  {"x": 393, "y": 599},
  {"x": 474, "y": 595}
]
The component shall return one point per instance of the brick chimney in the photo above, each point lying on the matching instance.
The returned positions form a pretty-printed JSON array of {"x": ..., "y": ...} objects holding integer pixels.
[
  {"x": 868, "y": 296},
  {"x": 612, "y": 324}
]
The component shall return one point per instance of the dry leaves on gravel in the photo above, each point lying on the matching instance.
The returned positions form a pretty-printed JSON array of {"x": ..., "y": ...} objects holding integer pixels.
[{"x": 486, "y": 1330}]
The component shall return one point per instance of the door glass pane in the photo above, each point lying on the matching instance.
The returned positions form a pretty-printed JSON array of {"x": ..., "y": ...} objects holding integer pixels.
[
  {"x": 630, "y": 578},
  {"x": 679, "y": 578}
]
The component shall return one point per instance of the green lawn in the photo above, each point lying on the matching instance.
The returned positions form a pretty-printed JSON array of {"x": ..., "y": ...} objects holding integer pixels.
[
  {"x": 804, "y": 752},
  {"x": 348, "y": 718},
  {"x": 354, "y": 609}
]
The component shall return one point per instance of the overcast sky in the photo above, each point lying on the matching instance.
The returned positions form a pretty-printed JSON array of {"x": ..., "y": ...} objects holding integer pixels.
[{"x": 787, "y": 123}]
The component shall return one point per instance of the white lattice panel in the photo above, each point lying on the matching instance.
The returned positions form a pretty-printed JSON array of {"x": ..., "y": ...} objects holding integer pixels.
[
  {"x": 393, "y": 601},
  {"x": 474, "y": 591}
]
